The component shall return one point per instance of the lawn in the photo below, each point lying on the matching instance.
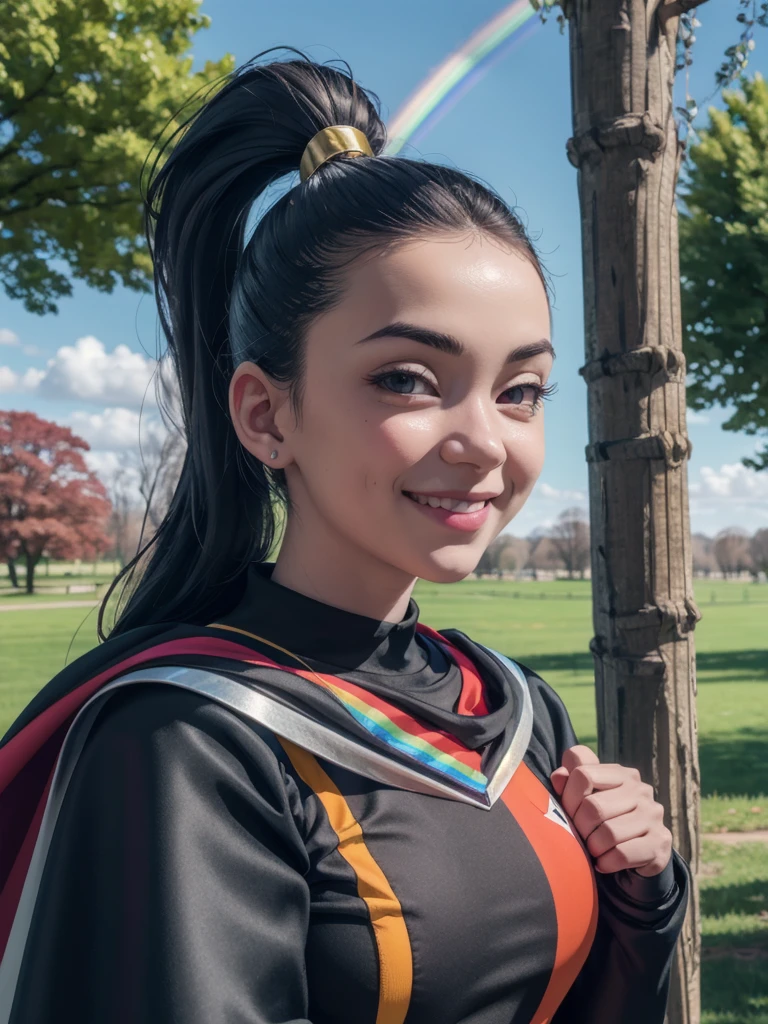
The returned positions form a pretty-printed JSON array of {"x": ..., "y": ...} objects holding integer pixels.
[
  {"x": 734, "y": 906},
  {"x": 548, "y": 626}
]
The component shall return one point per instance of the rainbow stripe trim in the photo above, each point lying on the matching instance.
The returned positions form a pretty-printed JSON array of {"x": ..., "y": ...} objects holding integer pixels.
[
  {"x": 430, "y": 747},
  {"x": 408, "y": 742}
]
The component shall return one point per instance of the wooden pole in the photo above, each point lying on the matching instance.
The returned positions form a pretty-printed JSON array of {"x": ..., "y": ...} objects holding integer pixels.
[{"x": 626, "y": 149}]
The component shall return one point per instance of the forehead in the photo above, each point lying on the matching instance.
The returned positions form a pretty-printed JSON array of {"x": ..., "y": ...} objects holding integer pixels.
[{"x": 465, "y": 284}]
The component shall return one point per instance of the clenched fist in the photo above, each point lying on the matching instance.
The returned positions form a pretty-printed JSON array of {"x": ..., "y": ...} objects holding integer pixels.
[{"x": 614, "y": 812}]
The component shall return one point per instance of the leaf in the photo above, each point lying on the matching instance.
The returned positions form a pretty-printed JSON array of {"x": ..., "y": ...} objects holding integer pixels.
[
  {"x": 85, "y": 91},
  {"x": 724, "y": 262}
]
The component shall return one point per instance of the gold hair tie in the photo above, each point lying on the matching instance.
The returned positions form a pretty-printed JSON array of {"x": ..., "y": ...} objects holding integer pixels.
[{"x": 330, "y": 142}]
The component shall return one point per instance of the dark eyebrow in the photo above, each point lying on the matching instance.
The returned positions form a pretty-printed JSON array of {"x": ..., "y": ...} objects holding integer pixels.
[{"x": 448, "y": 343}]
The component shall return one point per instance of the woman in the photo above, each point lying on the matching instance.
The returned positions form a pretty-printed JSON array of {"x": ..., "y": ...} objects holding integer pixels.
[{"x": 284, "y": 798}]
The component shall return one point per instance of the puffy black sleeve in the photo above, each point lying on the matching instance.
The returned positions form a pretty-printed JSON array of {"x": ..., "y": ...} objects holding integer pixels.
[
  {"x": 174, "y": 889},
  {"x": 626, "y": 975}
]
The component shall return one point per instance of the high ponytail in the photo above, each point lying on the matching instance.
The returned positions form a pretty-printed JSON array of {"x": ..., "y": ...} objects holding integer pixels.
[{"x": 221, "y": 302}]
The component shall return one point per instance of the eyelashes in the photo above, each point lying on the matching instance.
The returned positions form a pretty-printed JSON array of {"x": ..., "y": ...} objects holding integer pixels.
[
  {"x": 409, "y": 378},
  {"x": 543, "y": 391}
]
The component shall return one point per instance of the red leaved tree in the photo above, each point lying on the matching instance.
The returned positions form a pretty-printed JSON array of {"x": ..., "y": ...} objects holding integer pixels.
[{"x": 50, "y": 502}]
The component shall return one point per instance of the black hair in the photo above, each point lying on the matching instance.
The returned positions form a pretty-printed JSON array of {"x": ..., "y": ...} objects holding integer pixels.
[{"x": 221, "y": 302}]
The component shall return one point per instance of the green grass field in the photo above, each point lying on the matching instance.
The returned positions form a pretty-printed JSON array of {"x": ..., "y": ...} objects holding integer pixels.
[{"x": 548, "y": 626}]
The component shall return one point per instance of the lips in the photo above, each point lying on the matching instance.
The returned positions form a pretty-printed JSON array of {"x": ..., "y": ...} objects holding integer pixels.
[
  {"x": 462, "y": 505},
  {"x": 468, "y": 522}
]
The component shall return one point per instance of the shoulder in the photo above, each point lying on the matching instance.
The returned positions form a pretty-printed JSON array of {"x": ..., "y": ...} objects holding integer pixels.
[{"x": 166, "y": 733}]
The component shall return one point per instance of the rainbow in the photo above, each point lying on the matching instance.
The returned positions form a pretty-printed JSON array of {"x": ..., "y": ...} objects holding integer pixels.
[{"x": 445, "y": 86}]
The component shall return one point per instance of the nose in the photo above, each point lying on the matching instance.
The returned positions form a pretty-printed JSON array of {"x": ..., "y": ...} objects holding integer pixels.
[{"x": 476, "y": 437}]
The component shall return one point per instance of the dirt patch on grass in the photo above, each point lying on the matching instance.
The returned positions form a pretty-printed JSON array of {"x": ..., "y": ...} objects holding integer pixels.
[{"x": 732, "y": 838}]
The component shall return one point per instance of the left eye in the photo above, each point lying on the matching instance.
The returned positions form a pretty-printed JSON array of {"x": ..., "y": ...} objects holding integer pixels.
[{"x": 520, "y": 392}]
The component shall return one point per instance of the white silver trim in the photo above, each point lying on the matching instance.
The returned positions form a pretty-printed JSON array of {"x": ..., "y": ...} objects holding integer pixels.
[{"x": 522, "y": 737}]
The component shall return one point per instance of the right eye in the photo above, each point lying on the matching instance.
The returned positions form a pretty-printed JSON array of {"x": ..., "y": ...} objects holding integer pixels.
[{"x": 400, "y": 382}]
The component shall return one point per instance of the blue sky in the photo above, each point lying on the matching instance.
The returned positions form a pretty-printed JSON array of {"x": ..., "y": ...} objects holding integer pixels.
[{"x": 511, "y": 130}]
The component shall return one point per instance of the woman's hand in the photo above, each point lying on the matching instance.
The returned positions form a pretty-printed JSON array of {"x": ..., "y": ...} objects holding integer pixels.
[{"x": 614, "y": 812}]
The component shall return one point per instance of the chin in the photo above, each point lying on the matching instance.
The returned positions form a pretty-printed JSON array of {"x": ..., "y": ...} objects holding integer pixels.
[{"x": 449, "y": 566}]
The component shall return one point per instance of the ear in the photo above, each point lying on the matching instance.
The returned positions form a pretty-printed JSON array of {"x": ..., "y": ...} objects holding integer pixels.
[{"x": 254, "y": 403}]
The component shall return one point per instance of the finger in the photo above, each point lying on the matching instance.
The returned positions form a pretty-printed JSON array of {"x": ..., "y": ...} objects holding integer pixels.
[
  {"x": 558, "y": 778},
  {"x": 619, "y": 830},
  {"x": 585, "y": 779},
  {"x": 602, "y": 806},
  {"x": 573, "y": 757},
  {"x": 647, "y": 852},
  {"x": 608, "y": 776},
  {"x": 578, "y": 785}
]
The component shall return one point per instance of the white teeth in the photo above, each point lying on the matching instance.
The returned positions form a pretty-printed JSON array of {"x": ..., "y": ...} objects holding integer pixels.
[
  {"x": 450, "y": 504},
  {"x": 454, "y": 506}
]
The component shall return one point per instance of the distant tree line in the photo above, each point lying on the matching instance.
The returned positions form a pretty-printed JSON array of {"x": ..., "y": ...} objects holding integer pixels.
[
  {"x": 53, "y": 506},
  {"x": 732, "y": 552},
  {"x": 563, "y": 546}
]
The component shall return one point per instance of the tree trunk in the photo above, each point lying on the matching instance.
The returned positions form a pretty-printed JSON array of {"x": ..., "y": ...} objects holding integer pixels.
[
  {"x": 626, "y": 149},
  {"x": 31, "y": 565},
  {"x": 12, "y": 574}
]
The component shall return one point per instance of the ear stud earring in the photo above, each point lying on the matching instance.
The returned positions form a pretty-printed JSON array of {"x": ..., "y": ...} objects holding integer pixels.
[{"x": 273, "y": 455}]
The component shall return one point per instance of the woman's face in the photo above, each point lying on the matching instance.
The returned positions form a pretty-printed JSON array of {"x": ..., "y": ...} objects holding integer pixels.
[{"x": 424, "y": 383}]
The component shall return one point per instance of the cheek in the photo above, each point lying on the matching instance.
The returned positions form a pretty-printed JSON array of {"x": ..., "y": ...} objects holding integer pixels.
[
  {"x": 525, "y": 455},
  {"x": 400, "y": 441},
  {"x": 358, "y": 450}
]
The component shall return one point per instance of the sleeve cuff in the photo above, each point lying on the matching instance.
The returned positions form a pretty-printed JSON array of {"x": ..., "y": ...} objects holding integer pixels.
[{"x": 654, "y": 889}]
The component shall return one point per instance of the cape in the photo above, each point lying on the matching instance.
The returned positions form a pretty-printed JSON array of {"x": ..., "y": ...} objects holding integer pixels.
[{"x": 335, "y": 719}]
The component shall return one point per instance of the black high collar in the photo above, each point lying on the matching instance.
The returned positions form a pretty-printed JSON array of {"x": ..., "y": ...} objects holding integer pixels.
[
  {"x": 324, "y": 633},
  {"x": 390, "y": 659}
]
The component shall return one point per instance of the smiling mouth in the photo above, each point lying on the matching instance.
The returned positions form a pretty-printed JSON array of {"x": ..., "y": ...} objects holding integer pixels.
[{"x": 449, "y": 504}]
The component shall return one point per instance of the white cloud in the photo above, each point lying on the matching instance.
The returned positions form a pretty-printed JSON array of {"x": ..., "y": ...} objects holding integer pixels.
[
  {"x": 12, "y": 381},
  {"x": 87, "y": 371},
  {"x": 9, "y": 380},
  {"x": 729, "y": 496},
  {"x": 114, "y": 428},
  {"x": 11, "y": 339},
  {"x": 30, "y": 379},
  {"x": 733, "y": 481},
  {"x": 116, "y": 436}
]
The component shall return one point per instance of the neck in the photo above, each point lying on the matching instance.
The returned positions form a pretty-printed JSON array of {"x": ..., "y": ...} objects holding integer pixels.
[{"x": 315, "y": 561}]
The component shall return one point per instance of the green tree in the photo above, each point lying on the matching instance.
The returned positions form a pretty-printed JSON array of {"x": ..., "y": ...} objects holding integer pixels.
[
  {"x": 724, "y": 263},
  {"x": 86, "y": 86}
]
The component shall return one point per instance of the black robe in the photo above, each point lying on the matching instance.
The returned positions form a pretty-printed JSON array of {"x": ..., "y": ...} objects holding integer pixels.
[{"x": 203, "y": 869}]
